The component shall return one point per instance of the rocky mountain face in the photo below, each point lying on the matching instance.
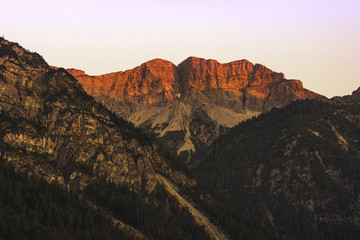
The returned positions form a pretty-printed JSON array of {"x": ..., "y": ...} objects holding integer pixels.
[
  {"x": 188, "y": 106},
  {"x": 47, "y": 113},
  {"x": 296, "y": 169}
]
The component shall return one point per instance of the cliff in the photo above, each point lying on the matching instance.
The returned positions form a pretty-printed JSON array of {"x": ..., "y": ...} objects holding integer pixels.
[{"x": 159, "y": 81}]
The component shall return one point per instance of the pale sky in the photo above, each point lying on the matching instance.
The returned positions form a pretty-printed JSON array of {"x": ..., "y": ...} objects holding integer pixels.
[{"x": 315, "y": 41}]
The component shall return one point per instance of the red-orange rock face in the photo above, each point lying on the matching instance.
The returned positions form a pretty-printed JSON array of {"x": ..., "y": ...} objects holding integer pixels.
[
  {"x": 153, "y": 81},
  {"x": 159, "y": 81},
  {"x": 209, "y": 74}
]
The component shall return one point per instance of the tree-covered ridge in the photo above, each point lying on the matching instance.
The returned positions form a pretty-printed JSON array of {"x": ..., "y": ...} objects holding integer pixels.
[
  {"x": 296, "y": 169},
  {"x": 157, "y": 215},
  {"x": 31, "y": 208}
]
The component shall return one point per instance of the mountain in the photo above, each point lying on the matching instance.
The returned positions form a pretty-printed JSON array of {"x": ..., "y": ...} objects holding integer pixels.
[
  {"x": 67, "y": 162},
  {"x": 65, "y": 146},
  {"x": 188, "y": 106},
  {"x": 296, "y": 169}
]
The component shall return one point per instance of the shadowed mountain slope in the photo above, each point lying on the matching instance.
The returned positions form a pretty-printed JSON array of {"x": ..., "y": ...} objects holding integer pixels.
[{"x": 296, "y": 169}]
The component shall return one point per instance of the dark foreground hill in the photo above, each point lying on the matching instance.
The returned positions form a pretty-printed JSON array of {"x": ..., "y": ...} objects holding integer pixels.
[{"x": 296, "y": 170}]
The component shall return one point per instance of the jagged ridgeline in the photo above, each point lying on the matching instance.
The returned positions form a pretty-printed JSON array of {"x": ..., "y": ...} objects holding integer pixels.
[
  {"x": 56, "y": 138},
  {"x": 31, "y": 208},
  {"x": 296, "y": 170}
]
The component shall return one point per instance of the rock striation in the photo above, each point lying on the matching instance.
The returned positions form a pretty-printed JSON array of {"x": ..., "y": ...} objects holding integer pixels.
[{"x": 189, "y": 105}]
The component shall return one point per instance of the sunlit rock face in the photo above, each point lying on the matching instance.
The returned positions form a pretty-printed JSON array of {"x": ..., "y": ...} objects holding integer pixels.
[
  {"x": 189, "y": 105},
  {"x": 152, "y": 82}
]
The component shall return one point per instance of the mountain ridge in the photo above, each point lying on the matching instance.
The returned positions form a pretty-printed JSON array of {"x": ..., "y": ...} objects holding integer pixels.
[
  {"x": 187, "y": 106},
  {"x": 226, "y": 75}
]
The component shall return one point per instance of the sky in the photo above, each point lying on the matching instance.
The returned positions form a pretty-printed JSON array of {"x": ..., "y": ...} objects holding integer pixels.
[{"x": 315, "y": 41}]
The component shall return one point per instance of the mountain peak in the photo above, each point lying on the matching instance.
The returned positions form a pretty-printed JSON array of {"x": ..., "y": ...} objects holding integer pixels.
[
  {"x": 198, "y": 60},
  {"x": 158, "y": 62},
  {"x": 159, "y": 80},
  {"x": 166, "y": 98}
]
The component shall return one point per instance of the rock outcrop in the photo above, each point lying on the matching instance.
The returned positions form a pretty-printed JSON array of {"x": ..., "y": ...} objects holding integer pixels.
[{"x": 189, "y": 105}]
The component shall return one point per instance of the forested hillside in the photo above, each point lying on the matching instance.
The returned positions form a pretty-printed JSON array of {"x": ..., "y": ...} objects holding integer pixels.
[{"x": 297, "y": 170}]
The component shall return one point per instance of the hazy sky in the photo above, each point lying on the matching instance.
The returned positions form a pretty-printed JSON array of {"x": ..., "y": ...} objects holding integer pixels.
[{"x": 316, "y": 41}]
